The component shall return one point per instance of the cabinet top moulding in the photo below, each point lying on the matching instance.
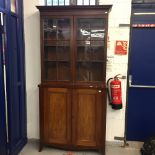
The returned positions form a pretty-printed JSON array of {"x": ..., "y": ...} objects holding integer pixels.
[{"x": 89, "y": 10}]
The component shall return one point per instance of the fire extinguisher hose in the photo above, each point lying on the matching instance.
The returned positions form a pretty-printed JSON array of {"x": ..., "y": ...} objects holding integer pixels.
[{"x": 108, "y": 91}]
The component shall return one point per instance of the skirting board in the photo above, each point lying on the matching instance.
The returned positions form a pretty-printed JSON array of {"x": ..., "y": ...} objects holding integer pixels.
[{"x": 132, "y": 144}]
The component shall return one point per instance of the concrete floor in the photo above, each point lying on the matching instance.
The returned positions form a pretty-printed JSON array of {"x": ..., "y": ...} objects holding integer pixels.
[{"x": 32, "y": 149}]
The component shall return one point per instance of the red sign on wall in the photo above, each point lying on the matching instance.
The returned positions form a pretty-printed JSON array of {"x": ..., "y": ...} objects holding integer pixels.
[{"x": 121, "y": 47}]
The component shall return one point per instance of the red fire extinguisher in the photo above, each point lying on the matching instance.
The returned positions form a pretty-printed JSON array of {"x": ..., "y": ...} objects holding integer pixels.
[{"x": 114, "y": 92}]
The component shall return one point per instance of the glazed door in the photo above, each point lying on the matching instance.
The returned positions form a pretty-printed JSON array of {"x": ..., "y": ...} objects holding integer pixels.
[
  {"x": 90, "y": 50},
  {"x": 57, "y": 46},
  {"x": 3, "y": 137},
  {"x": 141, "y": 102}
]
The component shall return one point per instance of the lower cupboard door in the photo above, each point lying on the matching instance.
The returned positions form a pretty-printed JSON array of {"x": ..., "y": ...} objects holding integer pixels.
[
  {"x": 57, "y": 116},
  {"x": 87, "y": 119}
]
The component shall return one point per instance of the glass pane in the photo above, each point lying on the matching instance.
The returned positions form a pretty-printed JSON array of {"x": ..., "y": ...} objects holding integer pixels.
[
  {"x": 97, "y": 34},
  {"x": 84, "y": 23},
  {"x": 97, "y": 29},
  {"x": 63, "y": 71},
  {"x": 63, "y": 23},
  {"x": 97, "y": 71},
  {"x": 90, "y": 49},
  {"x": 67, "y": 2},
  {"x": 57, "y": 29},
  {"x": 63, "y": 53},
  {"x": 90, "y": 53},
  {"x": 83, "y": 71},
  {"x": 50, "y": 29},
  {"x": 63, "y": 29},
  {"x": 86, "y": 2},
  {"x": 61, "y": 2},
  {"x": 49, "y": 2},
  {"x": 87, "y": 71},
  {"x": 50, "y": 53},
  {"x": 90, "y": 29},
  {"x": 13, "y": 5},
  {"x": 97, "y": 53},
  {"x": 83, "y": 32},
  {"x": 97, "y": 23},
  {"x": 51, "y": 70},
  {"x": 79, "y": 2},
  {"x": 63, "y": 34},
  {"x": 57, "y": 71},
  {"x": 84, "y": 53},
  {"x": 92, "y": 2},
  {"x": 55, "y": 2},
  {"x": 97, "y": 43}
]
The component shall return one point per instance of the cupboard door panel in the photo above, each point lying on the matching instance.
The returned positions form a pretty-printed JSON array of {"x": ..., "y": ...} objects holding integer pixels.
[
  {"x": 86, "y": 121},
  {"x": 57, "y": 115}
]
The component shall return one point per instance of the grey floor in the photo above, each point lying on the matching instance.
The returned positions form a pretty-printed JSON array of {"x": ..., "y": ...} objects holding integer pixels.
[{"x": 32, "y": 149}]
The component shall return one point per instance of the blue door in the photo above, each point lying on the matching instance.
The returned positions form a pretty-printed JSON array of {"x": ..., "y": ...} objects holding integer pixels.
[
  {"x": 3, "y": 137},
  {"x": 2, "y": 4},
  {"x": 15, "y": 79},
  {"x": 141, "y": 90},
  {"x": 12, "y": 139}
]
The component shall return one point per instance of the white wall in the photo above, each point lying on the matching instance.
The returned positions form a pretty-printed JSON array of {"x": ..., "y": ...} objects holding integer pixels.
[
  {"x": 117, "y": 64},
  {"x": 120, "y": 14},
  {"x": 32, "y": 51}
]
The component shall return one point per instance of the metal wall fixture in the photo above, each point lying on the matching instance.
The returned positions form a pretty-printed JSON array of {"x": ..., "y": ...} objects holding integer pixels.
[
  {"x": 143, "y": 1},
  {"x": 138, "y": 86}
]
